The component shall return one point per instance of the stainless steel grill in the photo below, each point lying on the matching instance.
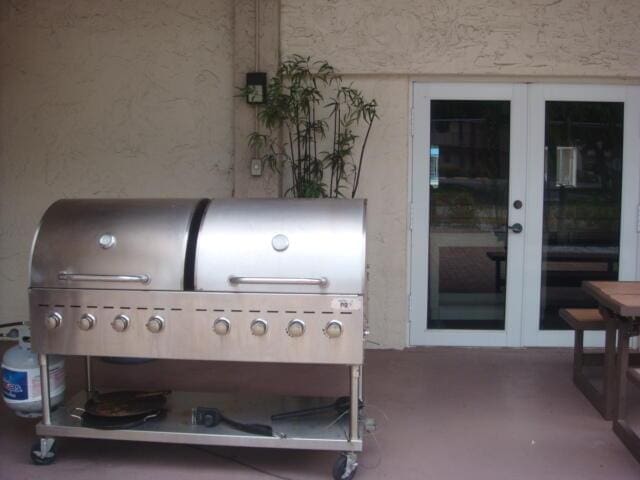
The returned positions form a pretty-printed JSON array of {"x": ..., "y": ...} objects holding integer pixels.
[{"x": 233, "y": 280}]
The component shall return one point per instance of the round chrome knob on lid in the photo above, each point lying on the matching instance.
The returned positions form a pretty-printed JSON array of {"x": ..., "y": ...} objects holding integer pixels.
[
  {"x": 295, "y": 328},
  {"x": 53, "y": 320},
  {"x": 333, "y": 329},
  {"x": 222, "y": 325},
  {"x": 86, "y": 322},
  {"x": 106, "y": 240},
  {"x": 259, "y": 327},
  {"x": 280, "y": 243},
  {"x": 155, "y": 324},
  {"x": 120, "y": 323}
]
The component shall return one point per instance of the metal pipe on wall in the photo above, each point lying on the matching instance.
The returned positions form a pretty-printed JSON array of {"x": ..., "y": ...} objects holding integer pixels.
[{"x": 257, "y": 66}]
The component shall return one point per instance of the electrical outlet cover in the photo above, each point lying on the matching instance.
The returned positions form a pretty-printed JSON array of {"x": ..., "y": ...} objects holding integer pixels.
[{"x": 256, "y": 167}]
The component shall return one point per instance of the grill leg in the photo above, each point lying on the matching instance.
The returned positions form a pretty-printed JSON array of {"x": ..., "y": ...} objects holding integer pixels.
[
  {"x": 44, "y": 388},
  {"x": 353, "y": 411}
]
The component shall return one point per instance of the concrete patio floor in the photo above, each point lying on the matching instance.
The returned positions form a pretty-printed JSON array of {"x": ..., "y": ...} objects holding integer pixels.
[{"x": 442, "y": 413}]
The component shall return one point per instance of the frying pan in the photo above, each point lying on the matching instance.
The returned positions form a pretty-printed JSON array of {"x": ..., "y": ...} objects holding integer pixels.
[
  {"x": 127, "y": 403},
  {"x": 118, "y": 423}
]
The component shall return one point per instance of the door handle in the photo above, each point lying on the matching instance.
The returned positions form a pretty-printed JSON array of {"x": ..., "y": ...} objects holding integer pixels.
[{"x": 515, "y": 228}]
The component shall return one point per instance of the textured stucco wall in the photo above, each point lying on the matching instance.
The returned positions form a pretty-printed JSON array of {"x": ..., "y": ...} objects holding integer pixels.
[
  {"x": 114, "y": 98},
  {"x": 383, "y": 183},
  {"x": 521, "y": 37},
  {"x": 382, "y": 45}
]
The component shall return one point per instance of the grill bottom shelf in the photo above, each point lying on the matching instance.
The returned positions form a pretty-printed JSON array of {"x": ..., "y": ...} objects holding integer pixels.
[{"x": 328, "y": 431}]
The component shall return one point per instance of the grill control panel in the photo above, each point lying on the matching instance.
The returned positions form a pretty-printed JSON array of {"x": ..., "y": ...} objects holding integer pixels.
[
  {"x": 221, "y": 325},
  {"x": 199, "y": 325}
]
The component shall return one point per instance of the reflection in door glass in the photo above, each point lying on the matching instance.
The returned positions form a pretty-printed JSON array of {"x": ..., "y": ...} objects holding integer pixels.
[
  {"x": 582, "y": 194},
  {"x": 468, "y": 204}
]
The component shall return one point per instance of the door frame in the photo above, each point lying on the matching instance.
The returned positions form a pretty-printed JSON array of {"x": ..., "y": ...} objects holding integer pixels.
[
  {"x": 538, "y": 95},
  {"x": 419, "y": 212},
  {"x": 526, "y": 143}
]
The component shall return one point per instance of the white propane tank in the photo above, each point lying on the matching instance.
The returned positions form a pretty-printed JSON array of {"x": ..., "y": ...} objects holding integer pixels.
[{"x": 21, "y": 380}]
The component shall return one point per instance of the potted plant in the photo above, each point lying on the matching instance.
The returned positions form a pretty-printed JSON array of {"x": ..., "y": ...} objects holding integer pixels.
[{"x": 311, "y": 122}]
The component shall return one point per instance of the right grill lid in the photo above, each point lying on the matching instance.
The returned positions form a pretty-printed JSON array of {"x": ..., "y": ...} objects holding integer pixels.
[{"x": 282, "y": 246}]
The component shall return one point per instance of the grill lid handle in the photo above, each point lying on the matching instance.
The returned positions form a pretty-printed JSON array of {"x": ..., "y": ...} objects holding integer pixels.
[
  {"x": 92, "y": 277},
  {"x": 322, "y": 281}
]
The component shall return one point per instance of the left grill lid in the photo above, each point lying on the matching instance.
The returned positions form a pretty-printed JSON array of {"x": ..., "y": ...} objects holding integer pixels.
[{"x": 140, "y": 244}]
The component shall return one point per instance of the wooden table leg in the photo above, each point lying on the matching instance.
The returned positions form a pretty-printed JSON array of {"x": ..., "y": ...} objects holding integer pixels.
[
  {"x": 606, "y": 400},
  {"x": 622, "y": 364},
  {"x": 620, "y": 425},
  {"x": 609, "y": 381}
]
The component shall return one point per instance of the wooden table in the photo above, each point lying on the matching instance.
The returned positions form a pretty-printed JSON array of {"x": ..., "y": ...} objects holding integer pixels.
[{"x": 620, "y": 303}]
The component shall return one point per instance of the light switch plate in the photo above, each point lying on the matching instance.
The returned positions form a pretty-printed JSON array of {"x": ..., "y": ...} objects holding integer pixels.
[{"x": 256, "y": 167}]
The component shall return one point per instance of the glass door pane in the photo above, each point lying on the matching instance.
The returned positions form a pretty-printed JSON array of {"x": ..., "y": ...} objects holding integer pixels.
[
  {"x": 582, "y": 199},
  {"x": 468, "y": 207}
]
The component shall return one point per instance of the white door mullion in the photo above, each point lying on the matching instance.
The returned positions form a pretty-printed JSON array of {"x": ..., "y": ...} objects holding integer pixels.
[
  {"x": 419, "y": 241},
  {"x": 535, "y": 201},
  {"x": 517, "y": 191},
  {"x": 630, "y": 213}
]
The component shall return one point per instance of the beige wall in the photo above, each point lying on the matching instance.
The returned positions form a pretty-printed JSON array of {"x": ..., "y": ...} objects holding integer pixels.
[
  {"x": 383, "y": 45},
  {"x": 384, "y": 184},
  {"x": 108, "y": 98},
  {"x": 494, "y": 37}
]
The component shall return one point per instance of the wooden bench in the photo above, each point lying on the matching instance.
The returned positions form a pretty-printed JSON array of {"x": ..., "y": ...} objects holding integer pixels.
[{"x": 581, "y": 320}]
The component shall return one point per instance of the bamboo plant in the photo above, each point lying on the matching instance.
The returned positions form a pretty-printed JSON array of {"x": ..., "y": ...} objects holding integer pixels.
[{"x": 312, "y": 122}]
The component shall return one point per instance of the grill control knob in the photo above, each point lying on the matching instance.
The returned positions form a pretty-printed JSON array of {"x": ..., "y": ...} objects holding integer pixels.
[
  {"x": 86, "y": 322},
  {"x": 53, "y": 320},
  {"x": 222, "y": 325},
  {"x": 259, "y": 327},
  {"x": 155, "y": 324},
  {"x": 295, "y": 328},
  {"x": 120, "y": 323},
  {"x": 333, "y": 329}
]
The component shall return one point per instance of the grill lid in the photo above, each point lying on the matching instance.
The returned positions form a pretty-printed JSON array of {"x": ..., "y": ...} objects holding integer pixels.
[
  {"x": 282, "y": 246},
  {"x": 116, "y": 243}
]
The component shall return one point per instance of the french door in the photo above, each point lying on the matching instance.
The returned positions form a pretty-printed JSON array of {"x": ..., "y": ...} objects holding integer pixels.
[{"x": 518, "y": 195}]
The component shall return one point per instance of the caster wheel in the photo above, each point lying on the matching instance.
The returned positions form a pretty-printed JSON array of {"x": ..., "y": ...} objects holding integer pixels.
[
  {"x": 38, "y": 459},
  {"x": 345, "y": 467}
]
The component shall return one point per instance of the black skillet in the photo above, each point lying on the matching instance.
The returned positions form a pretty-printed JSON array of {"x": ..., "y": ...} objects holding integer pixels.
[
  {"x": 123, "y": 409},
  {"x": 119, "y": 423},
  {"x": 127, "y": 403}
]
